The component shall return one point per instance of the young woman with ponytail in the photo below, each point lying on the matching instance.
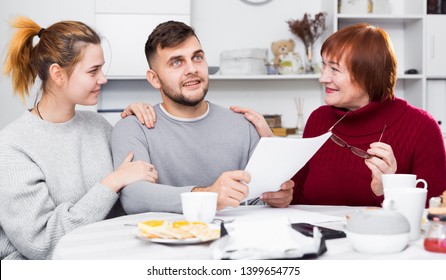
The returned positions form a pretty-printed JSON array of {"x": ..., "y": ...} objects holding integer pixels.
[{"x": 56, "y": 171}]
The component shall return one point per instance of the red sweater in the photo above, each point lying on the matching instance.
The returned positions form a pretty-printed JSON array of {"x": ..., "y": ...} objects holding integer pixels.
[{"x": 334, "y": 176}]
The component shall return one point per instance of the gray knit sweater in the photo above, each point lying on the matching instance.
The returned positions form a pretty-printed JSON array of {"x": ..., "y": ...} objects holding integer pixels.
[
  {"x": 186, "y": 153},
  {"x": 49, "y": 181}
]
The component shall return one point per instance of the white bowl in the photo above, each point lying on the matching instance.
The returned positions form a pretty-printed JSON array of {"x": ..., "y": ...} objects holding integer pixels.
[
  {"x": 378, "y": 243},
  {"x": 378, "y": 231}
]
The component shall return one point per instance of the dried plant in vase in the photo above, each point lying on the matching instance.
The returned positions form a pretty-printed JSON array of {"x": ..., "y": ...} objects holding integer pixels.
[{"x": 308, "y": 30}]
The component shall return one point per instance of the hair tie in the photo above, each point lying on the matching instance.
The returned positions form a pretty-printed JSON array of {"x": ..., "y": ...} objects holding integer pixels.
[{"x": 40, "y": 32}]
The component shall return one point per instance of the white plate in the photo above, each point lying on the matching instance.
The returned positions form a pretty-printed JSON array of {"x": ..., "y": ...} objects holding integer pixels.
[{"x": 186, "y": 241}]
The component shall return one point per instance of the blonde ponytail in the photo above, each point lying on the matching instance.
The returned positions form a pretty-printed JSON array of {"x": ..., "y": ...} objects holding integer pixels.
[{"x": 18, "y": 58}]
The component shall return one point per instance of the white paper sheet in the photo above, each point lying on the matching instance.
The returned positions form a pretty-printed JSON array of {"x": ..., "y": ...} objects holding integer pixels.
[
  {"x": 262, "y": 212},
  {"x": 275, "y": 160},
  {"x": 264, "y": 239}
]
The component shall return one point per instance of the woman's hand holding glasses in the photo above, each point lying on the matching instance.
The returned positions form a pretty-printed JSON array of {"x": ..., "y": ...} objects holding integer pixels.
[
  {"x": 383, "y": 161},
  {"x": 379, "y": 158}
]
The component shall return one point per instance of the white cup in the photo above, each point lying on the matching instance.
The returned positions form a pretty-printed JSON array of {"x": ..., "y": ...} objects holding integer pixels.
[
  {"x": 401, "y": 181},
  {"x": 411, "y": 203},
  {"x": 199, "y": 206}
]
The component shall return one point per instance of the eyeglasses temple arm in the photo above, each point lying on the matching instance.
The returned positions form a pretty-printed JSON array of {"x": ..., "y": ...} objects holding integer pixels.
[
  {"x": 339, "y": 121},
  {"x": 382, "y": 133}
]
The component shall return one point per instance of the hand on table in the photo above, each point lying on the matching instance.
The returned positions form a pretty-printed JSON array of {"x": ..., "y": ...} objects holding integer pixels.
[
  {"x": 383, "y": 161},
  {"x": 281, "y": 198}
]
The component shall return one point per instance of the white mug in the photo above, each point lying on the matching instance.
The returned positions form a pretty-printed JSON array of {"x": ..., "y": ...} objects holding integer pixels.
[
  {"x": 411, "y": 203},
  {"x": 401, "y": 181},
  {"x": 199, "y": 206}
]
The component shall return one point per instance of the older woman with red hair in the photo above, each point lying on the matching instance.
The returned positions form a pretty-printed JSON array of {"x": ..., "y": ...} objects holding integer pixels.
[{"x": 374, "y": 132}]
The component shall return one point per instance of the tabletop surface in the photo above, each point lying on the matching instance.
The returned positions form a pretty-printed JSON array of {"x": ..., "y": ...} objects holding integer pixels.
[{"x": 116, "y": 238}]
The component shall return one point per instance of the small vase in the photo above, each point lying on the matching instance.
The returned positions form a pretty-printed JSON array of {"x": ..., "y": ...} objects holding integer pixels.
[
  {"x": 300, "y": 124},
  {"x": 309, "y": 69}
]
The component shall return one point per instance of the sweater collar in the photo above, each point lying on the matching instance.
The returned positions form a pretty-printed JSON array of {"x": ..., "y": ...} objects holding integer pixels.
[
  {"x": 57, "y": 127},
  {"x": 170, "y": 116},
  {"x": 369, "y": 119}
]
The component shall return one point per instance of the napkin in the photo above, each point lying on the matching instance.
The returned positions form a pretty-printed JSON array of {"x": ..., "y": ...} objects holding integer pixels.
[{"x": 266, "y": 239}]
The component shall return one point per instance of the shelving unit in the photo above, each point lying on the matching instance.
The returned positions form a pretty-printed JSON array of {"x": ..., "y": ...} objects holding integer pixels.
[
  {"x": 435, "y": 47},
  {"x": 435, "y": 67}
]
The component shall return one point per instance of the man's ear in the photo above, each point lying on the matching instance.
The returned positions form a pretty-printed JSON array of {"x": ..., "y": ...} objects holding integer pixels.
[
  {"x": 152, "y": 78},
  {"x": 57, "y": 74}
]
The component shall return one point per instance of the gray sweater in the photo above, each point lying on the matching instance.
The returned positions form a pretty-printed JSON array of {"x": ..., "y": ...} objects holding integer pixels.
[
  {"x": 49, "y": 181},
  {"x": 186, "y": 153}
]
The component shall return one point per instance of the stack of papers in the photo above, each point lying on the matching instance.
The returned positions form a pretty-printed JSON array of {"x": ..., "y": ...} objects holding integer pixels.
[{"x": 266, "y": 239}]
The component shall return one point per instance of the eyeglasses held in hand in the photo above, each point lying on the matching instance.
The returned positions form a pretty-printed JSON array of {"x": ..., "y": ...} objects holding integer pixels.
[{"x": 355, "y": 150}]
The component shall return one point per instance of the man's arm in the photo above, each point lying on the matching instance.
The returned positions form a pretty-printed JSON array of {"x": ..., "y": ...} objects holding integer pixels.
[{"x": 128, "y": 135}]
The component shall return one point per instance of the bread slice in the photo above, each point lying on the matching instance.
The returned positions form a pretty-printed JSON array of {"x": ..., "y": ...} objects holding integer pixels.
[{"x": 177, "y": 230}]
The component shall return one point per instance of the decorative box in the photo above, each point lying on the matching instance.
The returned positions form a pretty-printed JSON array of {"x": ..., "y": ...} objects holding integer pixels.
[
  {"x": 273, "y": 121},
  {"x": 355, "y": 7},
  {"x": 243, "y": 62},
  {"x": 283, "y": 131}
]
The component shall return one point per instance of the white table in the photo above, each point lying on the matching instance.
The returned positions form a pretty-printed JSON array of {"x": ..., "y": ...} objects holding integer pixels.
[{"x": 115, "y": 238}]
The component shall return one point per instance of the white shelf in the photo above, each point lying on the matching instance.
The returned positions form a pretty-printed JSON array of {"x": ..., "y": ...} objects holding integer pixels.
[
  {"x": 349, "y": 18},
  {"x": 269, "y": 77},
  {"x": 436, "y": 77},
  {"x": 234, "y": 77},
  {"x": 410, "y": 76},
  {"x": 265, "y": 77}
]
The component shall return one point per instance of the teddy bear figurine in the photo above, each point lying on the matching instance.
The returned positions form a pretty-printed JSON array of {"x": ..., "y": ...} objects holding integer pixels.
[
  {"x": 282, "y": 47},
  {"x": 285, "y": 59}
]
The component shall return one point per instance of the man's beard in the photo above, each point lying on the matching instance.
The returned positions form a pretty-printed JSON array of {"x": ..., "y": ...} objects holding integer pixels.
[{"x": 180, "y": 98}]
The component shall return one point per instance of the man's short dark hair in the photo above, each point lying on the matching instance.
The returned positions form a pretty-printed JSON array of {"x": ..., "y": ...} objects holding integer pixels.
[{"x": 167, "y": 35}]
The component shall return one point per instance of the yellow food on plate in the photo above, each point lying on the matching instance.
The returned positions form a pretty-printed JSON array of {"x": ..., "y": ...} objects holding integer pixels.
[
  {"x": 150, "y": 229},
  {"x": 154, "y": 223},
  {"x": 177, "y": 230},
  {"x": 182, "y": 223},
  {"x": 162, "y": 230},
  {"x": 203, "y": 231},
  {"x": 178, "y": 224}
]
